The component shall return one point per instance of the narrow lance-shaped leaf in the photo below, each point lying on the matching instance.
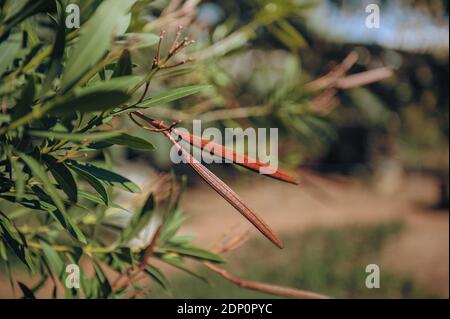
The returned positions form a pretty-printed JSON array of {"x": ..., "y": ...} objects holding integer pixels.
[
  {"x": 157, "y": 276},
  {"x": 130, "y": 141},
  {"x": 30, "y": 8},
  {"x": 124, "y": 66},
  {"x": 139, "y": 219},
  {"x": 94, "y": 182},
  {"x": 57, "y": 55},
  {"x": 15, "y": 240},
  {"x": 177, "y": 262},
  {"x": 95, "y": 39},
  {"x": 166, "y": 97},
  {"x": 60, "y": 213},
  {"x": 63, "y": 177},
  {"x": 107, "y": 176},
  {"x": 9, "y": 50},
  {"x": 54, "y": 261},
  {"x": 171, "y": 95},
  {"x": 41, "y": 175},
  {"x": 195, "y": 252},
  {"x": 104, "y": 287},
  {"x": 19, "y": 175}
]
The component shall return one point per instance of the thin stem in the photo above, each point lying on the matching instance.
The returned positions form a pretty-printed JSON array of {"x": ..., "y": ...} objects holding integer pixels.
[{"x": 267, "y": 288}]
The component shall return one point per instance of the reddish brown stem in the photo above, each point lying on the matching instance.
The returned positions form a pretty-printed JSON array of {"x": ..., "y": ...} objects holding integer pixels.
[{"x": 267, "y": 288}]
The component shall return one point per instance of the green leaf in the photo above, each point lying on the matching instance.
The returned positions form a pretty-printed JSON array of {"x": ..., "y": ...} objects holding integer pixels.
[
  {"x": 93, "y": 198},
  {"x": 177, "y": 262},
  {"x": 57, "y": 55},
  {"x": 171, "y": 95},
  {"x": 27, "y": 293},
  {"x": 3, "y": 253},
  {"x": 180, "y": 240},
  {"x": 39, "y": 172},
  {"x": 157, "y": 276},
  {"x": 60, "y": 213},
  {"x": 123, "y": 83},
  {"x": 77, "y": 137},
  {"x": 54, "y": 261},
  {"x": 107, "y": 176},
  {"x": 138, "y": 40},
  {"x": 171, "y": 225},
  {"x": 195, "y": 252},
  {"x": 95, "y": 39},
  {"x": 11, "y": 236},
  {"x": 139, "y": 220},
  {"x": 124, "y": 66},
  {"x": 9, "y": 50},
  {"x": 104, "y": 288},
  {"x": 130, "y": 141},
  {"x": 23, "y": 106},
  {"x": 63, "y": 177},
  {"x": 19, "y": 175},
  {"x": 100, "y": 96},
  {"x": 93, "y": 181},
  {"x": 32, "y": 7},
  {"x": 166, "y": 97}
]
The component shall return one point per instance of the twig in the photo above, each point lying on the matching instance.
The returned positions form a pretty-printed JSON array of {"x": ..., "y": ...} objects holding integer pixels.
[
  {"x": 267, "y": 288},
  {"x": 329, "y": 79},
  {"x": 364, "y": 78}
]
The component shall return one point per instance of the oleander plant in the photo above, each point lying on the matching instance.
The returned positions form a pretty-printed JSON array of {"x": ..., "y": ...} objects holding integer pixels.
[
  {"x": 79, "y": 79},
  {"x": 63, "y": 90}
]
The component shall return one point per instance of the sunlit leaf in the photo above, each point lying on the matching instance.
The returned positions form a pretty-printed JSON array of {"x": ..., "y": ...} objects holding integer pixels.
[
  {"x": 54, "y": 261},
  {"x": 25, "y": 101},
  {"x": 100, "y": 96},
  {"x": 106, "y": 176},
  {"x": 167, "y": 97},
  {"x": 124, "y": 66},
  {"x": 130, "y": 141}
]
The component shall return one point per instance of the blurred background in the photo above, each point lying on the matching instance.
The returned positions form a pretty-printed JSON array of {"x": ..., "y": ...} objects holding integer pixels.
[{"x": 363, "y": 123}]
